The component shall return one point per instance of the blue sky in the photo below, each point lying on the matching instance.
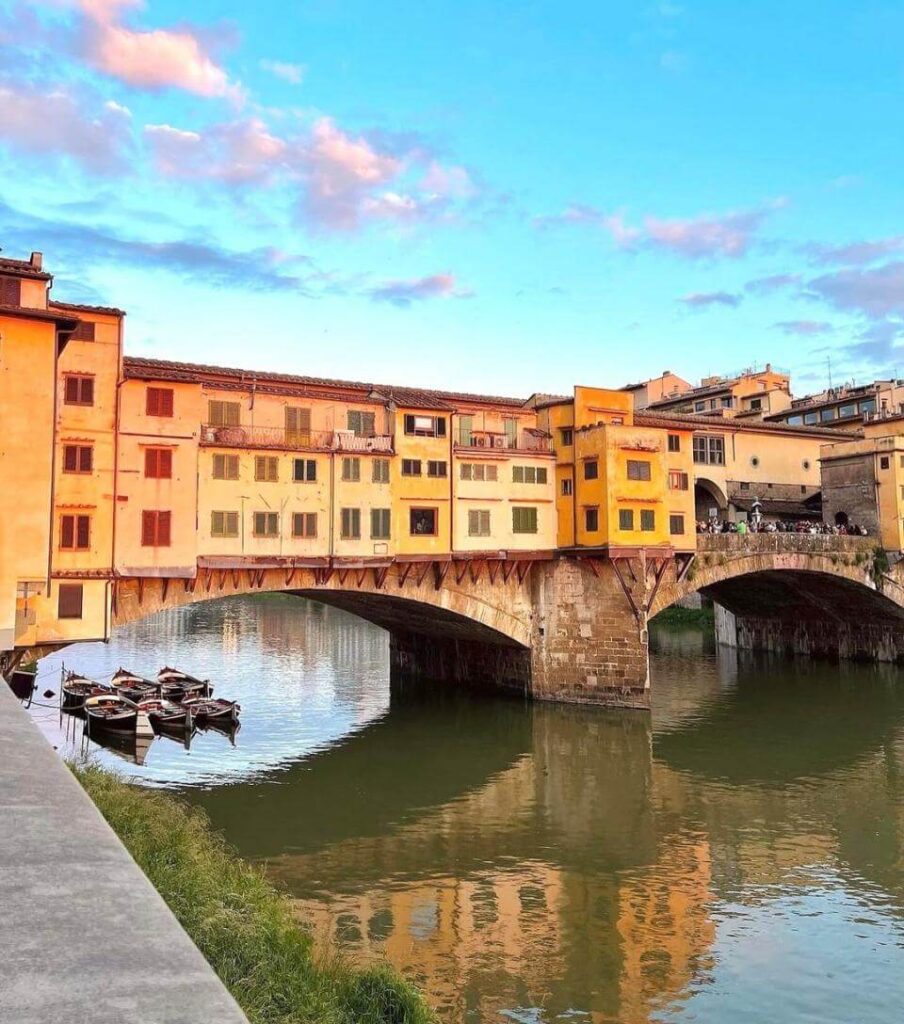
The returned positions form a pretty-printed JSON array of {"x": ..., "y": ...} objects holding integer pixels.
[{"x": 504, "y": 198}]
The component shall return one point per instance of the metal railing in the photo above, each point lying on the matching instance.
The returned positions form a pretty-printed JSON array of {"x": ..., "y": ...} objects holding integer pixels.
[
  {"x": 279, "y": 437},
  {"x": 523, "y": 441}
]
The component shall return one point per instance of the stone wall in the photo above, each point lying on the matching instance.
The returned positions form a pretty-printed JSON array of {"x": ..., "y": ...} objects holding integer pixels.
[{"x": 849, "y": 487}]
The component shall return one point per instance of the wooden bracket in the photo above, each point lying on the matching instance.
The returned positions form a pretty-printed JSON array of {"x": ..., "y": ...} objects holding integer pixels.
[
  {"x": 360, "y": 576},
  {"x": 626, "y": 590},
  {"x": 342, "y": 574},
  {"x": 164, "y": 589},
  {"x": 439, "y": 573},
  {"x": 222, "y": 582},
  {"x": 660, "y": 576},
  {"x": 380, "y": 576},
  {"x": 507, "y": 570},
  {"x": 403, "y": 574},
  {"x": 460, "y": 571},
  {"x": 493, "y": 570},
  {"x": 290, "y": 575},
  {"x": 683, "y": 564},
  {"x": 140, "y": 589},
  {"x": 424, "y": 570}
]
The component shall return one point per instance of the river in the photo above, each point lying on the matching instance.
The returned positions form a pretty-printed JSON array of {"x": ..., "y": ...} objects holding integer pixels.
[{"x": 735, "y": 856}]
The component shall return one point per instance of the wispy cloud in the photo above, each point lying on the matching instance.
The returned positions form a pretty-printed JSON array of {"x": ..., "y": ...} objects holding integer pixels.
[
  {"x": 804, "y": 328},
  {"x": 876, "y": 293},
  {"x": 291, "y": 73},
  {"x": 773, "y": 283},
  {"x": 854, "y": 253},
  {"x": 236, "y": 152},
  {"x": 701, "y": 300},
  {"x": 706, "y": 237},
  {"x": 404, "y": 292}
]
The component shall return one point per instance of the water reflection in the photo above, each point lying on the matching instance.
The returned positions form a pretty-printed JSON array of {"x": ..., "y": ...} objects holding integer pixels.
[{"x": 734, "y": 856}]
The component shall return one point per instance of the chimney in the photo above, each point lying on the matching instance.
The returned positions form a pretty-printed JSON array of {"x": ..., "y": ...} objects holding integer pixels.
[{"x": 37, "y": 260}]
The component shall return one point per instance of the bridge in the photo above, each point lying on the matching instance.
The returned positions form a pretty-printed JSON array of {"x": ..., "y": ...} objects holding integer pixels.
[{"x": 574, "y": 627}]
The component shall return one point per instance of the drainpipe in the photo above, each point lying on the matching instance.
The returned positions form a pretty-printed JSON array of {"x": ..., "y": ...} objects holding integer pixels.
[
  {"x": 117, "y": 417},
  {"x": 332, "y": 501},
  {"x": 53, "y": 453},
  {"x": 451, "y": 487}
]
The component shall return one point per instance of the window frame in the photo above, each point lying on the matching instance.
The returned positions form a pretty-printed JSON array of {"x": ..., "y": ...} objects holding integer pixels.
[
  {"x": 159, "y": 402},
  {"x": 78, "y": 526},
  {"x": 421, "y": 509},
  {"x": 228, "y": 460},
  {"x": 592, "y": 519},
  {"x": 72, "y": 590},
  {"x": 162, "y": 531},
  {"x": 306, "y": 519},
  {"x": 79, "y": 450},
  {"x": 351, "y": 469},
  {"x": 626, "y": 520},
  {"x": 591, "y": 469},
  {"x": 377, "y": 531},
  {"x": 354, "y": 520},
  {"x": 307, "y": 476},
  {"x": 640, "y": 470},
  {"x": 380, "y": 470},
  {"x": 408, "y": 467},
  {"x": 647, "y": 520},
  {"x": 270, "y": 462},
  {"x": 532, "y": 515},
  {"x": 674, "y": 442},
  {"x": 224, "y": 533},
  {"x": 676, "y": 518},
  {"x": 438, "y": 469},
  {"x": 682, "y": 478},
  {"x": 268, "y": 516},
  {"x": 158, "y": 459},
  {"x": 477, "y": 518},
  {"x": 82, "y": 382}
]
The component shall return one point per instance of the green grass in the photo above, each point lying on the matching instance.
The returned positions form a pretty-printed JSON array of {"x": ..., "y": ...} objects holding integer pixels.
[
  {"x": 678, "y": 616},
  {"x": 242, "y": 925}
]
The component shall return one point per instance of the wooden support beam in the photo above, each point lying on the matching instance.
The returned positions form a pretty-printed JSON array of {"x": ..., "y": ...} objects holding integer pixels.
[
  {"x": 164, "y": 589},
  {"x": 660, "y": 575},
  {"x": 507, "y": 569},
  {"x": 380, "y": 576},
  {"x": 222, "y": 582},
  {"x": 403, "y": 575},
  {"x": 493, "y": 570},
  {"x": 342, "y": 573},
  {"x": 460, "y": 571},
  {"x": 290, "y": 575},
  {"x": 626, "y": 590},
  {"x": 236, "y": 579},
  {"x": 140, "y": 589},
  {"x": 425, "y": 568},
  {"x": 475, "y": 565},
  {"x": 683, "y": 564},
  {"x": 439, "y": 573},
  {"x": 523, "y": 570},
  {"x": 360, "y": 576},
  {"x": 208, "y": 582}
]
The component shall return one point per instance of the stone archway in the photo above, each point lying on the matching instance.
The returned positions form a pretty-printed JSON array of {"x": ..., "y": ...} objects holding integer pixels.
[{"x": 708, "y": 496}]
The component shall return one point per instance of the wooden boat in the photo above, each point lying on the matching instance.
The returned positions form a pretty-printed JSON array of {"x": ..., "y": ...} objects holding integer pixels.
[
  {"x": 133, "y": 687},
  {"x": 77, "y": 689},
  {"x": 176, "y": 685},
  {"x": 206, "y": 709},
  {"x": 110, "y": 711},
  {"x": 163, "y": 713}
]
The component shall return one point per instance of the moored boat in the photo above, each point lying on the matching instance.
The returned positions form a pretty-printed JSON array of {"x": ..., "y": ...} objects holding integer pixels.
[
  {"x": 176, "y": 685},
  {"x": 164, "y": 712},
  {"x": 208, "y": 709},
  {"x": 111, "y": 711},
  {"x": 133, "y": 687},
  {"x": 76, "y": 690}
]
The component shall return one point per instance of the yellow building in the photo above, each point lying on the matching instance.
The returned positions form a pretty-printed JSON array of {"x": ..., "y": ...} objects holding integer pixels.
[{"x": 749, "y": 393}]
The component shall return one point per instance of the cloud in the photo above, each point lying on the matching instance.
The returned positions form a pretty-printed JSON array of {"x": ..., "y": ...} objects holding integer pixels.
[
  {"x": 404, "y": 293},
  {"x": 773, "y": 283},
  {"x": 236, "y": 152},
  {"x": 155, "y": 59},
  {"x": 700, "y": 300},
  {"x": 854, "y": 253},
  {"x": 804, "y": 328},
  {"x": 876, "y": 293},
  {"x": 291, "y": 73},
  {"x": 57, "y": 123},
  {"x": 706, "y": 237}
]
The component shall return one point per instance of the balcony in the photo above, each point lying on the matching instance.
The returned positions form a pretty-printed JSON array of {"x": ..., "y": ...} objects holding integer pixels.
[
  {"x": 293, "y": 440},
  {"x": 501, "y": 441}
]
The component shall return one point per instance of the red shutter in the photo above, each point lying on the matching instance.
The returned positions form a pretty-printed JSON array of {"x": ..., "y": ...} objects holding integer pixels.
[
  {"x": 71, "y": 393},
  {"x": 148, "y": 529},
  {"x": 70, "y": 601},
  {"x": 86, "y": 459},
  {"x": 10, "y": 291},
  {"x": 83, "y": 539},
  {"x": 166, "y": 402},
  {"x": 84, "y": 331},
  {"x": 67, "y": 531},
  {"x": 88, "y": 390},
  {"x": 163, "y": 529},
  {"x": 150, "y": 462},
  {"x": 165, "y": 463},
  {"x": 70, "y": 458},
  {"x": 151, "y": 404}
]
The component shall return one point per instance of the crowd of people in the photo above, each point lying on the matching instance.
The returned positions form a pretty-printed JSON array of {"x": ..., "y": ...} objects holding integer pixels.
[{"x": 781, "y": 526}]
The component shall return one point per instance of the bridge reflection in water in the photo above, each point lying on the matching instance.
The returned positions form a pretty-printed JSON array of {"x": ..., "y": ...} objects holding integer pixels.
[{"x": 548, "y": 862}]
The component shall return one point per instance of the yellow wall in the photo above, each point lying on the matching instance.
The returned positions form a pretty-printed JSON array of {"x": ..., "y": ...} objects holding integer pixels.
[{"x": 410, "y": 492}]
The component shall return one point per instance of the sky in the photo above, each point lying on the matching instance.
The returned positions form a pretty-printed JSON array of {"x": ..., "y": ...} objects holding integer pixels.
[{"x": 504, "y": 198}]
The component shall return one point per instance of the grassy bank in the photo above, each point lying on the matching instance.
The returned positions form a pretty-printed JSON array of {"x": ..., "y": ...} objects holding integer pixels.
[
  {"x": 678, "y": 616},
  {"x": 241, "y": 924}
]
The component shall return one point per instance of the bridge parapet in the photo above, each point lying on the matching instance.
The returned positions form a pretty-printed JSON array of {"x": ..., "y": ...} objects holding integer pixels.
[{"x": 802, "y": 543}]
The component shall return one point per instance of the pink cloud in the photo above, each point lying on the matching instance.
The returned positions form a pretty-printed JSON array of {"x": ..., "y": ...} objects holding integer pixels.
[
  {"x": 804, "y": 328},
  {"x": 876, "y": 293},
  {"x": 236, "y": 152},
  {"x": 57, "y": 122},
  {"x": 855, "y": 253},
  {"x": 700, "y": 300},
  {"x": 154, "y": 59},
  {"x": 404, "y": 292}
]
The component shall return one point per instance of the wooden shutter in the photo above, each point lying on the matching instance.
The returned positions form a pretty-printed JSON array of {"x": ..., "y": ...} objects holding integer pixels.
[
  {"x": 10, "y": 291},
  {"x": 310, "y": 524},
  {"x": 165, "y": 463},
  {"x": 164, "y": 520},
  {"x": 85, "y": 459},
  {"x": 71, "y": 391},
  {"x": 69, "y": 601},
  {"x": 70, "y": 458},
  {"x": 148, "y": 529},
  {"x": 83, "y": 332},
  {"x": 83, "y": 532},
  {"x": 87, "y": 396},
  {"x": 232, "y": 524},
  {"x": 67, "y": 531}
]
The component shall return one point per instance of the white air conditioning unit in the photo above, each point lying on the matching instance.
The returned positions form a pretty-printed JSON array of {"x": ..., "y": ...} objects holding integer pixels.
[{"x": 498, "y": 442}]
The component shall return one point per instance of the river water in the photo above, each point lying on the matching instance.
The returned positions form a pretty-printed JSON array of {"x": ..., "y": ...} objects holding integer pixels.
[{"x": 735, "y": 856}]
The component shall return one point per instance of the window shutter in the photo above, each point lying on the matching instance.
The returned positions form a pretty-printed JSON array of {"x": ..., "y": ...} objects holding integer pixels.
[
  {"x": 83, "y": 332},
  {"x": 70, "y": 458},
  {"x": 150, "y": 462},
  {"x": 409, "y": 423},
  {"x": 165, "y": 463},
  {"x": 67, "y": 531},
  {"x": 164, "y": 520},
  {"x": 69, "y": 601},
  {"x": 88, "y": 390},
  {"x": 71, "y": 392},
  {"x": 10, "y": 291},
  {"x": 86, "y": 459},
  {"x": 232, "y": 524},
  {"x": 83, "y": 531},
  {"x": 147, "y": 529},
  {"x": 311, "y": 524}
]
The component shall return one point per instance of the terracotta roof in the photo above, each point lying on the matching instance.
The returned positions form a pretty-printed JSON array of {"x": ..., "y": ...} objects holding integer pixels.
[
  {"x": 78, "y": 308},
  {"x": 26, "y": 313},
  {"x": 681, "y": 422},
  {"x": 22, "y": 268},
  {"x": 415, "y": 398}
]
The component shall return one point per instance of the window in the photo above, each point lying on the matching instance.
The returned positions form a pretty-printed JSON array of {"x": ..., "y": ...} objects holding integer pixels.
[
  {"x": 69, "y": 601},
  {"x": 478, "y": 522},
  {"x": 566, "y": 436},
  {"x": 524, "y": 519},
  {"x": 883, "y": 462},
  {"x": 159, "y": 402},
  {"x": 304, "y": 524},
  {"x": 744, "y": 485},
  {"x": 567, "y": 487},
  {"x": 676, "y": 525},
  {"x": 795, "y": 421},
  {"x": 591, "y": 470},
  {"x": 626, "y": 519},
  {"x": 380, "y": 471},
  {"x": 75, "y": 533},
  {"x": 709, "y": 449},
  {"x": 379, "y": 523},
  {"x": 362, "y": 423},
  {"x": 647, "y": 520},
  {"x": 11, "y": 295},
  {"x": 727, "y": 402},
  {"x": 304, "y": 471},
  {"x": 868, "y": 405},
  {"x": 678, "y": 481},
  {"x": 466, "y": 471},
  {"x": 846, "y": 410},
  {"x": 638, "y": 470},
  {"x": 592, "y": 520},
  {"x": 224, "y": 524},
  {"x": 810, "y": 418},
  {"x": 351, "y": 469},
  {"x": 155, "y": 529},
  {"x": 158, "y": 463},
  {"x": 350, "y": 523},
  {"x": 510, "y": 426},
  {"x": 265, "y": 524},
  {"x": 223, "y": 414},
  {"x": 436, "y": 468},
  {"x": 827, "y": 414},
  {"x": 411, "y": 467},
  {"x": 478, "y": 471},
  {"x": 529, "y": 474},
  {"x": 298, "y": 425},
  {"x": 78, "y": 458},
  {"x": 225, "y": 467},
  {"x": 84, "y": 331},
  {"x": 425, "y": 426},
  {"x": 266, "y": 468},
  {"x": 78, "y": 389},
  {"x": 756, "y": 404},
  {"x": 423, "y": 522},
  {"x": 465, "y": 429},
  {"x": 674, "y": 442},
  {"x": 699, "y": 406}
]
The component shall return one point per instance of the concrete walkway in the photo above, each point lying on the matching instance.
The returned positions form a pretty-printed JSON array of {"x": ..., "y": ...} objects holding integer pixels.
[{"x": 84, "y": 937}]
